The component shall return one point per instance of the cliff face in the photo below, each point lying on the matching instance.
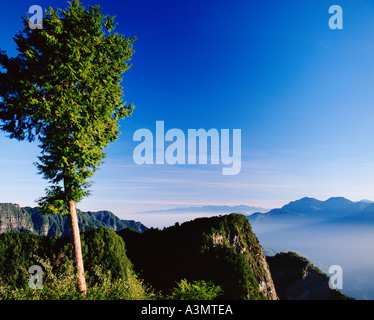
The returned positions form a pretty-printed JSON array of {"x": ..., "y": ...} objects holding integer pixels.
[
  {"x": 220, "y": 249},
  {"x": 241, "y": 237},
  {"x": 296, "y": 279},
  {"x": 13, "y": 218}
]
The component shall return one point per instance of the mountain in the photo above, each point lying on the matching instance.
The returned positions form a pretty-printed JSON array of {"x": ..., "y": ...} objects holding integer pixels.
[
  {"x": 335, "y": 209},
  {"x": 242, "y": 209},
  {"x": 295, "y": 278},
  {"x": 13, "y": 218},
  {"x": 334, "y": 232},
  {"x": 222, "y": 249}
]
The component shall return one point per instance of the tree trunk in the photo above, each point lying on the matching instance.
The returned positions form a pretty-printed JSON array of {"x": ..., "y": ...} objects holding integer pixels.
[{"x": 77, "y": 249}]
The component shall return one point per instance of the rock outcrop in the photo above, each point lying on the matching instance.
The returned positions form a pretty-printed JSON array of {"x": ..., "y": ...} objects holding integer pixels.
[
  {"x": 241, "y": 237},
  {"x": 12, "y": 218}
]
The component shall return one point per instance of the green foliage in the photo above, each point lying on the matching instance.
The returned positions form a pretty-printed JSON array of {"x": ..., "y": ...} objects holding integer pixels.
[
  {"x": 100, "y": 247},
  {"x": 64, "y": 88},
  {"x": 60, "y": 284},
  {"x": 105, "y": 248},
  {"x": 109, "y": 272},
  {"x": 197, "y": 290},
  {"x": 17, "y": 253}
]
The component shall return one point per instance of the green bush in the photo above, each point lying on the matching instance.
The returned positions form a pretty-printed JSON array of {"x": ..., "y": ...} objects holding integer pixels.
[
  {"x": 197, "y": 290},
  {"x": 103, "y": 247}
]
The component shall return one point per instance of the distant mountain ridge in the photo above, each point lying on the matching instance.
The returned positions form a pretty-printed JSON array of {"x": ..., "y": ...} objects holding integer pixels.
[
  {"x": 335, "y": 209},
  {"x": 13, "y": 218},
  {"x": 242, "y": 209}
]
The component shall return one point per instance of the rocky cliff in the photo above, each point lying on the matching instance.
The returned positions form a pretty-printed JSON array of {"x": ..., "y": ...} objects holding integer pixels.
[
  {"x": 13, "y": 218},
  {"x": 239, "y": 235}
]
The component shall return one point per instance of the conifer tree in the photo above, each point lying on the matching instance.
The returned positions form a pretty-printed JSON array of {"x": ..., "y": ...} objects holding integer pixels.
[{"x": 64, "y": 90}]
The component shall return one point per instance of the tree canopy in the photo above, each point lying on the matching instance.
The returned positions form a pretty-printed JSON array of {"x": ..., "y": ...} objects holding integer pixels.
[{"x": 64, "y": 89}]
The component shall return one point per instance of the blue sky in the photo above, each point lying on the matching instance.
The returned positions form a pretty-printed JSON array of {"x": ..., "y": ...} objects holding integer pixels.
[{"x": 301, "y": 93}]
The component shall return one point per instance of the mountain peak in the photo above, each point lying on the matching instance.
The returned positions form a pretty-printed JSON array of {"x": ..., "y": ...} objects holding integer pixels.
[
  {"x": 334, "y": 208},
  {"x": 302, "y": 204},
  {"x": 365, "y": 201},
  {"x": 338, "y": 199}
]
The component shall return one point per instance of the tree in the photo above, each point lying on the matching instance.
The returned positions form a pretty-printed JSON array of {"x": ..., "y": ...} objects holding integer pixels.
[{"x": 64, "y": 89}]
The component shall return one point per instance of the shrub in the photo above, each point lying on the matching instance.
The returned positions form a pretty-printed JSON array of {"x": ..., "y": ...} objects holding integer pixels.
[{"x": 197, "y": 290}]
